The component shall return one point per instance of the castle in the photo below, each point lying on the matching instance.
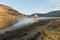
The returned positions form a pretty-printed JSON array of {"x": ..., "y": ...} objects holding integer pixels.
[{"x": 35, "y": 15}]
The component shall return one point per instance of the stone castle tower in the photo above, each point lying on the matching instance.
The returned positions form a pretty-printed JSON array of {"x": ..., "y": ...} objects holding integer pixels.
[{"x": 35, "y": 16}]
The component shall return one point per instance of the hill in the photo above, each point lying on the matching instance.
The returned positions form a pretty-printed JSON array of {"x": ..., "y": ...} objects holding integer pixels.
[
  {"x": 53, "y": 14},
  {"x": 38, "y": 14},
  {"x": 7, "y": 10},
  {"x": 8, "y": 16},
  {"x": 49, "y": 14}
]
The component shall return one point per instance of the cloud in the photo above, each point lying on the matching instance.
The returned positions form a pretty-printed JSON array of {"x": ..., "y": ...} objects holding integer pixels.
[
  {"x": 54, "y": 0},
  {"x": 38, "y": 9},
  {"x": 56, "y": 4}
]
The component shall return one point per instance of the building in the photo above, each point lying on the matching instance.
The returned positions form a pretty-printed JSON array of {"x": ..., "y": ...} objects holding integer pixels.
[{"x": 35, "y": 15}]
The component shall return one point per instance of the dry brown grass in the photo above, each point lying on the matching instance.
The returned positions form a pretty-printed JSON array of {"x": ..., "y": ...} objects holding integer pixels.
[
  {"x": 51, "y": 33},
  {"x": 48, "y": 34}
]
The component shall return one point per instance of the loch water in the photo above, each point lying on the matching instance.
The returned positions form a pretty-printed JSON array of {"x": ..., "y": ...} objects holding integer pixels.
[{"x": 24, "y": 22}]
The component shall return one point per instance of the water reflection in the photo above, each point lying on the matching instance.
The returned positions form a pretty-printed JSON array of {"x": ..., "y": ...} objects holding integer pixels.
[{"x": 24, "y": 22}]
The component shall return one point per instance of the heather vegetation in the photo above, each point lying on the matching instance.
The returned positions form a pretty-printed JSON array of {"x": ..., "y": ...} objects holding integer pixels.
[{"x": 35, "y": 31}]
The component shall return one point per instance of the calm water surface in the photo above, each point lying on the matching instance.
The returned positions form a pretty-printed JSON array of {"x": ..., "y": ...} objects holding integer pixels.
[{"x": 24, "y": 22}]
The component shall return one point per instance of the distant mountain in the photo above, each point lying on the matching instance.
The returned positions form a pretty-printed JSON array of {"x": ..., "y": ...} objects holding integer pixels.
[
  {"x": 53, "y": 14},
  {"x": 49, "y": 14},
  {"x": 38, "y": 14}
]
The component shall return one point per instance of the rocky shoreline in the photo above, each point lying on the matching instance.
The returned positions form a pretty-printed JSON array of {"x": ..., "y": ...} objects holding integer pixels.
[{"x": 35, "y": 31}]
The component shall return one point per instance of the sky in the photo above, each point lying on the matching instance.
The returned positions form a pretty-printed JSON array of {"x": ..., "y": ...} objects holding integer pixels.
[{"x": 29, "y": 7}]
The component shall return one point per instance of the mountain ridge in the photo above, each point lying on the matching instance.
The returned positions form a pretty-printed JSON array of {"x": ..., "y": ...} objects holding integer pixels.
[
  {"x": 8, "y": 16},
  {"x": 49, "y": 14},
  {"x": 9, "y": 10}
]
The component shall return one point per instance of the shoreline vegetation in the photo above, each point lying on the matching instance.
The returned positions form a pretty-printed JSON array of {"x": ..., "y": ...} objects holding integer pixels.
[{"x": 35, "y": 31}]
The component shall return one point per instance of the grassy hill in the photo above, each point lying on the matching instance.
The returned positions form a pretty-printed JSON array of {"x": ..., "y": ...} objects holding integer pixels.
[{"x": 8, "y": 16}]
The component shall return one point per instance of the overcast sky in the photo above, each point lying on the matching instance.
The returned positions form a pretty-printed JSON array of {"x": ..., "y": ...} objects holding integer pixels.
[{"x": 31, "y": 6}]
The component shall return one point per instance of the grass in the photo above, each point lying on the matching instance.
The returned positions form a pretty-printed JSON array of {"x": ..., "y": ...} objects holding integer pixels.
[
  {"x": 51, "y": 33},
  {"x": 48, "y": 34}
]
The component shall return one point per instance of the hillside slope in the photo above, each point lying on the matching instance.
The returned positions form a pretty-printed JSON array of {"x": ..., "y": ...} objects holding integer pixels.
[
  {"x": 8, "y": 16},
  {"x": 49, "y": 14}
]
